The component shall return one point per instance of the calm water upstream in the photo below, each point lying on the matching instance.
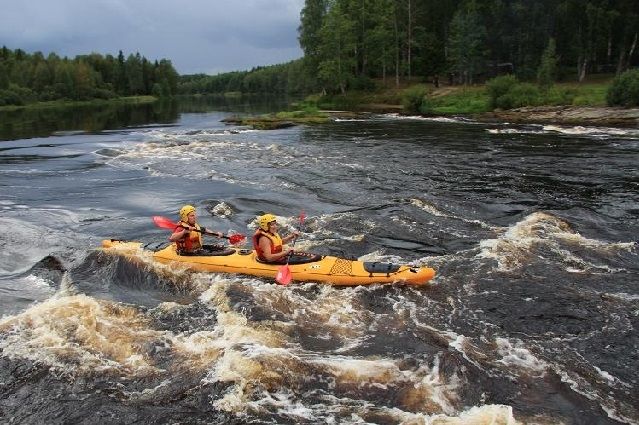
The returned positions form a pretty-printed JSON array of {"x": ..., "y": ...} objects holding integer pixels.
[{"x": 532, "y": 317}]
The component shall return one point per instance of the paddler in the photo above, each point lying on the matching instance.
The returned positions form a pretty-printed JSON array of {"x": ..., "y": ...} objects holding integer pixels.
[
  {"x": 267, "y": 242},
  {"x": 187, "y": 235}
]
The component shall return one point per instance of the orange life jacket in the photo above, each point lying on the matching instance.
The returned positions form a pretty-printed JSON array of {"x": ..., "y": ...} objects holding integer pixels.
[
  {"x": 275, "y": 239},
  {"x": 192, "y": 242}
]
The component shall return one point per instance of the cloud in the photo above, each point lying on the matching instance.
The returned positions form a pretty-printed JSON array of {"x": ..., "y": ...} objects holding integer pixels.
[{"x": 197, "y": 35}]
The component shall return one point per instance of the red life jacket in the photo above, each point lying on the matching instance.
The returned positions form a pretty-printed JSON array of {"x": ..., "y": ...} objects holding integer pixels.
[
  {"x": 274, "y": 239},
  {"x": 192, "y": 242}
]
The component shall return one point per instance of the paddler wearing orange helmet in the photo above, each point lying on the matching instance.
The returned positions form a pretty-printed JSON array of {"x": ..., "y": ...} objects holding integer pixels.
[
  {"x": 268, "y": 244},
  {"x": 187, "y": 235}
]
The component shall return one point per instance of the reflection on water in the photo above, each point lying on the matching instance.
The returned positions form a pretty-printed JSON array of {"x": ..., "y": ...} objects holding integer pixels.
[
  {"x": 242, "y": 104},
  {"x": 44, "y": 122}
]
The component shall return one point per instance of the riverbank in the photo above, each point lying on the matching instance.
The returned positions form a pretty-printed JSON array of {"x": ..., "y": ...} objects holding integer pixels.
[
  {"x": 567, "y": 115},
  {"x": 569, "y": 104}
]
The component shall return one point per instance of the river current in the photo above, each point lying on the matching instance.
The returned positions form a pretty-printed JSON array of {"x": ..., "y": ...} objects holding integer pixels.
[{"x": 532, "y": 316}]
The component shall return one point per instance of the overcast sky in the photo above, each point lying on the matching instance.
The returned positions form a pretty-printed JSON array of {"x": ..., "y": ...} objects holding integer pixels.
[{"x": 208, "y": 36}]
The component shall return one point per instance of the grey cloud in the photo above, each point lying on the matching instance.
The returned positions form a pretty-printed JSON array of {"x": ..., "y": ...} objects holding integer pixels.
[{"x": 197, "y": 35}]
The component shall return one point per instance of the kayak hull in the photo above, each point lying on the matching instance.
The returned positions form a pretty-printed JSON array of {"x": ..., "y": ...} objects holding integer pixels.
[{"x": 331, "y": 270}]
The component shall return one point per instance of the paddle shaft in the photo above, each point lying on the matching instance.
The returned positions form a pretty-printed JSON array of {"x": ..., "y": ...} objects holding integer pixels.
[{"x": 202, "y": 231}]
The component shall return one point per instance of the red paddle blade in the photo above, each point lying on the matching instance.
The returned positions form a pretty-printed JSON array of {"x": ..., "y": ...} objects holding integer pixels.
[
  {"x": 283, "y": 276},
  {"x": 237, "y": 239},
  {"x": 164, "y": 222},
  {"x": 302, "y": 218}
]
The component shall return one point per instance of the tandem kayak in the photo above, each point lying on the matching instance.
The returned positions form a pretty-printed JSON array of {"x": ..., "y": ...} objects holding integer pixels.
[{"x": 313, "y": 268}]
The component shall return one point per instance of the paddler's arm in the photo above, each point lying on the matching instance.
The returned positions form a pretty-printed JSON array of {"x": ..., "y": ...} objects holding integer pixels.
[
  {"x": 176, "y": 236},
  {"x": 290, "y": 237}
]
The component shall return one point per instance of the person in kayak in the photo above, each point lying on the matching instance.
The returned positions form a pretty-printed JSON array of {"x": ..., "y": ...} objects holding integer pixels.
[
  {"x": 188, "y": 234},
  {"x": 268, "y": 244}
]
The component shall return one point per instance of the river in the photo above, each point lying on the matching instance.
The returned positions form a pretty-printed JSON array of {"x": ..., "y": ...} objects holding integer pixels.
[{"x": 531, "y": 318}]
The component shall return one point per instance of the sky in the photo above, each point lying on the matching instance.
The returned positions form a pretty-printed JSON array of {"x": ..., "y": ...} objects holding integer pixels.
[{"x": 198, "y": 36}]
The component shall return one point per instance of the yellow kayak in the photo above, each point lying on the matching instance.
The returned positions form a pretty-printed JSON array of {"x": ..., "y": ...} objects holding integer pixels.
[{"x": 326, "y": 269}]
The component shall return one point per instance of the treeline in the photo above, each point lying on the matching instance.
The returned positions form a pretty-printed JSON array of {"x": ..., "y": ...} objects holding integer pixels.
[
  {"x": 26, "y": 78},
  {"x": 349, "y": 43},
  {"x": 287, "y": 78}
]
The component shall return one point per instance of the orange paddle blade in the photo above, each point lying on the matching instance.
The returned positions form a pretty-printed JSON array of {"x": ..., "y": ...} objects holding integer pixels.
[
  {"x": 237, "y": 239},
  {"x": 164, "y": 222},
  {"x": 283, "y": 276}
]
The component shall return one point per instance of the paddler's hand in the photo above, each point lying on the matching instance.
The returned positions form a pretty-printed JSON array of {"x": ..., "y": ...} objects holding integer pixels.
[{"x": 218, "y": 234}]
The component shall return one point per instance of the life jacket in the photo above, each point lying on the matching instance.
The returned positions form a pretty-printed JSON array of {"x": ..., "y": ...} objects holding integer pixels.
[
  {"x": 275, "y": 239},
  {"x": 192, "y": 242}
]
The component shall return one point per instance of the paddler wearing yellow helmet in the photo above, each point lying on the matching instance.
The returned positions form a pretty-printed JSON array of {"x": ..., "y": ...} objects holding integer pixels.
[
  {"x": 268, "y": 243},
  {"x": 187, "y": 235}
]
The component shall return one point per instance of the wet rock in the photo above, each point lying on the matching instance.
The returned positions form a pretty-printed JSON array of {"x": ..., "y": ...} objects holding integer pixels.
[{"x": 572, "y": 115}]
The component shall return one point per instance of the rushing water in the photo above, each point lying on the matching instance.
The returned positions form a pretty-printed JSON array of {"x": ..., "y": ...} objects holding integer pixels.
[{"x": 532, "y": 317}]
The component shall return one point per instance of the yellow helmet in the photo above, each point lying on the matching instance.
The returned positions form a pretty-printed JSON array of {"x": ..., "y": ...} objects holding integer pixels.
[
  {"x": 185, "y": 211},
  {"x": 265, "y": 220}
]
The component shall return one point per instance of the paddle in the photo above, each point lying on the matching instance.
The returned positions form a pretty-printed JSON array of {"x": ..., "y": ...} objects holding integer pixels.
[
  {"x": 166, "y": 223},
  {"x": 283, "y": 276}
]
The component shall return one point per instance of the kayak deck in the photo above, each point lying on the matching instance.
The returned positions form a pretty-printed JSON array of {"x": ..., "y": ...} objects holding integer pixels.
[{"x": 325, "y": 269}]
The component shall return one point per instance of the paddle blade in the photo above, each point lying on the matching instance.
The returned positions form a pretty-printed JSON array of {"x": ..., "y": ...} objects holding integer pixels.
[
  {"x": 164, "y": 222},
  {"x": 283, "y": 276},
  {"x": 302, "y": 218},
  {"x": 237, "y": 239}
]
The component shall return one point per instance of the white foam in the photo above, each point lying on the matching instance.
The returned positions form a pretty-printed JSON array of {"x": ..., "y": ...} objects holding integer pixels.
[
  {"x": 432, "y": 209},
  {"x": 513, "y": 248},
  {"x": 449, "y": 120},
  {"x": 518, "y": 356},
  {"x": 595, "y": 132}
]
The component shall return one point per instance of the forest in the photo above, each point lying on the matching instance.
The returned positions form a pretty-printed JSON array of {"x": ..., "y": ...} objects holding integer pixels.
[
  {"x": 349, "y": 44},
  {"x": 362, "y": 44},
  {"x": 27, "y": 78}
]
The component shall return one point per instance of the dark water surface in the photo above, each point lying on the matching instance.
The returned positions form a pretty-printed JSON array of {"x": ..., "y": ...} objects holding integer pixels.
[{"x": 532, "y": 317}]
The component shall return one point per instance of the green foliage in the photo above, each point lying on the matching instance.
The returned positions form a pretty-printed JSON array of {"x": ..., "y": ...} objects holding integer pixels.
[
  {"x": 590, "y": 94},
  {"x": 338, "y": 49},
  {"x": 507, "y": 93},
  {"x": 413, "y": 98},
  {"x": 559, "y": 96},
  {"x": 361, "y": 83},
  {"x": 624, "y": 90},
  {"x": 16, "y": 95},
  {"x": 465, "y": 101},
  {"x": 27, "y": 78},
  {"x": 547, "y": 72},
  {"x": 523, "y": 94},
  {"x": 288, "y": 78},
  {"x": 467, "y": 42},
  {"x": 499, "y": 87}
]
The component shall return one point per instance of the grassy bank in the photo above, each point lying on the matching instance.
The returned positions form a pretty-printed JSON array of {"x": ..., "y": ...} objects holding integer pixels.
[
  {"x": 454, "y": 100},
  {"x": 74, "y": 103}
]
